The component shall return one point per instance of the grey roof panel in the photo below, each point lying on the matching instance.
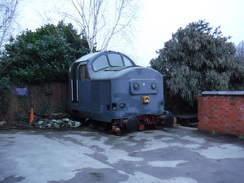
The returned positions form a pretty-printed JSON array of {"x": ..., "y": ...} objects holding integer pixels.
[{"x": 87, "y": 57}]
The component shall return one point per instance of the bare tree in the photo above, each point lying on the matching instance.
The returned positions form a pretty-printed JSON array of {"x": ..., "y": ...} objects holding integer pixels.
[
  {"x": 240, "y": 50},
  {"x": 8, "y": 10},
  {"x": 102, "y": 21}
]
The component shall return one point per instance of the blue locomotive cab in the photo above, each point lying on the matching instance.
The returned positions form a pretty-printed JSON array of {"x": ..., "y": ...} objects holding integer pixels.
[{"x": 109, "y": 87}]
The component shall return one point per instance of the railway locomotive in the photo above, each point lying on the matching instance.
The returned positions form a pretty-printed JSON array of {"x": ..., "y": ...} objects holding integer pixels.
[{"x": 109, "y": 88}]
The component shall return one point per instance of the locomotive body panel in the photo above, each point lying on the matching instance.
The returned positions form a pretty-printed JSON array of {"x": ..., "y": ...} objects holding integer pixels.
[{"x": 107, "y": 90}]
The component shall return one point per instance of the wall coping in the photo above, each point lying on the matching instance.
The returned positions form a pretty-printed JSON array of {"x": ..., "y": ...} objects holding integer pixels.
[{"x": 222, "y": 93}]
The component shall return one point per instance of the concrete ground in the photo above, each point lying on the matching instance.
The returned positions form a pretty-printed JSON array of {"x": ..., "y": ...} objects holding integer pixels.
[{"x": 170, "y": 155}]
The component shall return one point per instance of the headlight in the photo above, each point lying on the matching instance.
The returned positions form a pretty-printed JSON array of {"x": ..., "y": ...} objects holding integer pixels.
[
  {"x": 114, "y": 106},
  {"x": 136, "y": 86},
  {"x": 122, "y": 105},
  {"x": 153, "y": 85}
]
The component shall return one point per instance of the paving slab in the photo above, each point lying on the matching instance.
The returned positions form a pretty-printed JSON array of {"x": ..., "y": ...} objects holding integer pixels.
[{"x": 169, "y": 155}]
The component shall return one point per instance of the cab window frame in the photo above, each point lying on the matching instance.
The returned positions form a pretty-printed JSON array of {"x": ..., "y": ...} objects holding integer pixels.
[
  {"x": 128, "y": 60},
  {"x": 98, "y": 67},
  {"x": 83, "y": 73},
  {"x": 114, "y": 64}
]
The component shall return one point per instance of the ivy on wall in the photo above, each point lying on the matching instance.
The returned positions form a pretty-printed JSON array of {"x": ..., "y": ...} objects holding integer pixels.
[{"x": 4, "y": 95}]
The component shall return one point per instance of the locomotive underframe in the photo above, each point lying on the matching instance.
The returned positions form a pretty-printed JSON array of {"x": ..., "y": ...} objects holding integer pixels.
[{"x": 137, "y": 123}]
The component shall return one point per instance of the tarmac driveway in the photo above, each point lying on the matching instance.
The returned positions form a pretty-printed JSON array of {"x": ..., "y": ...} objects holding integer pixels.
[{"x": 171, "y": 155}]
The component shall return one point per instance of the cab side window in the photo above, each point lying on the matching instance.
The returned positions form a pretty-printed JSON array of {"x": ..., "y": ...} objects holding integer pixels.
[
  {"x": 83, "y": 73},
  {"x": 127, "y": 61}
]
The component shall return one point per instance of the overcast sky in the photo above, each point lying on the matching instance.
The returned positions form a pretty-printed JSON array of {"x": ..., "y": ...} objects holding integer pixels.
[{"x": 158, "y": 19}]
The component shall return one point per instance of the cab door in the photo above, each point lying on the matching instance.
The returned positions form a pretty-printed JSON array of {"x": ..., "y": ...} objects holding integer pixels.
[
  {"x": 83, "y": 88},
  {"x": 74, "y": 83},
  {"x": 79, "y": 76}
]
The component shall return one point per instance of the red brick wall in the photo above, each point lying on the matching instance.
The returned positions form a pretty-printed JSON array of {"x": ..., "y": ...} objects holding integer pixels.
[{"x": 221, "y": 112}]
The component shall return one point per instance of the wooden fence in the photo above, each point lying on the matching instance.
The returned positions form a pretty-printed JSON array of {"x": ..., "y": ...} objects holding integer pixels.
[{"x": 46, "y": 98}]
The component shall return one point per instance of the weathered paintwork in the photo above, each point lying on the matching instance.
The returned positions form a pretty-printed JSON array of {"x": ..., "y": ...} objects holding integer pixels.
[{"x": 113, "y": 90}]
